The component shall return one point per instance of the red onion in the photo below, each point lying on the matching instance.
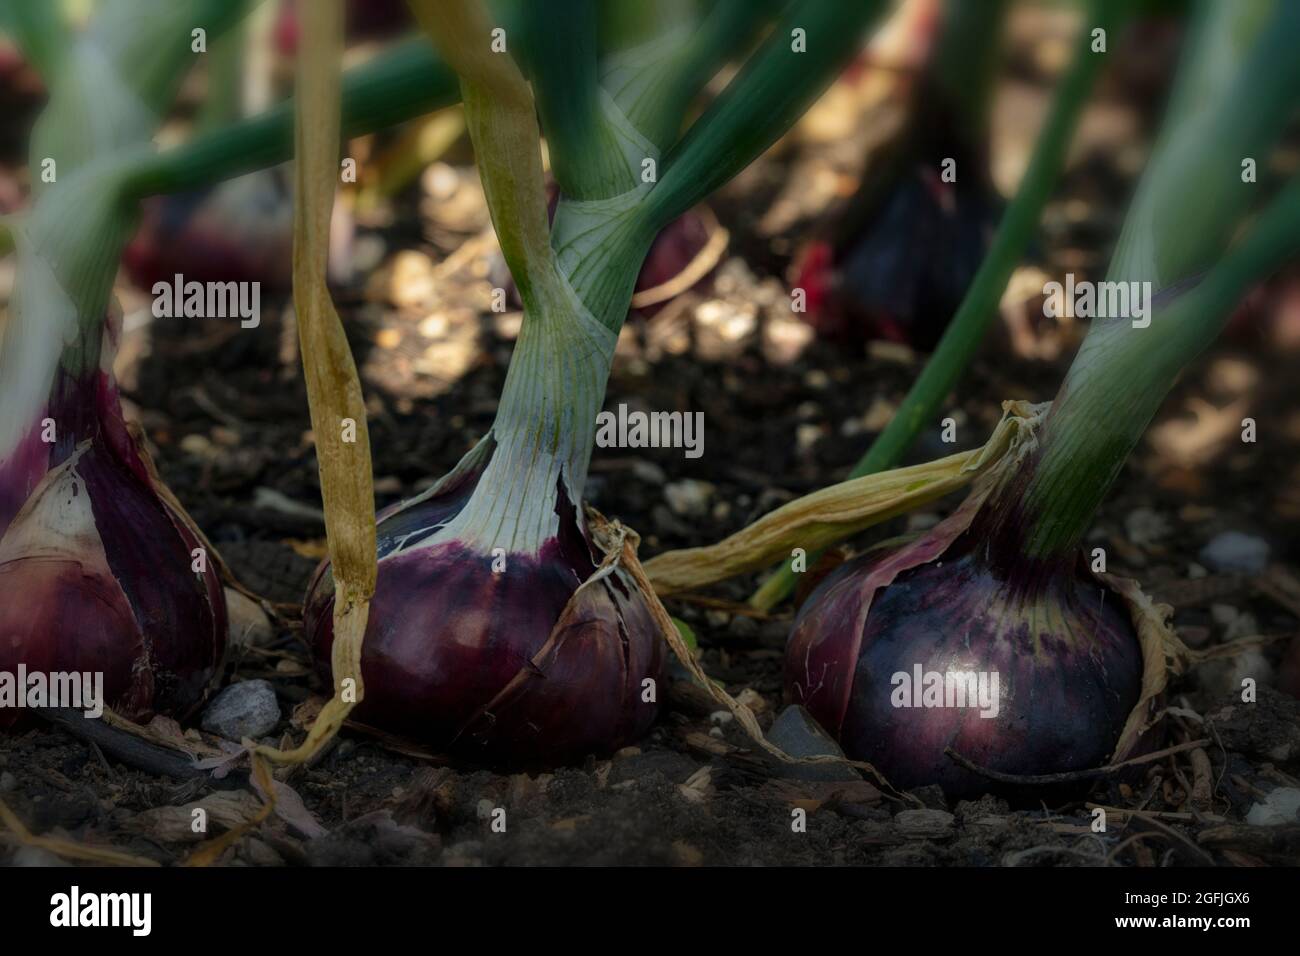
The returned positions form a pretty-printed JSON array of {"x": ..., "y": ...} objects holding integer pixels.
[
  {"x": 490, "y": 633},
  {"x": 97, "y": 561},
  {"x": 1046, "y": 654}
]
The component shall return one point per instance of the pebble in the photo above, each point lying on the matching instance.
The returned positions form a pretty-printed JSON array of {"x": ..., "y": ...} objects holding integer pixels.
[
  {"x": 688, "y": 498},
  {"x": 8, "y": 782},
  {"x": 1235, "y": 552},
  {"x": 648, "y": 472},
  {"x": 248, "y": 625},
  {"x": 246, "y": 709},
  {"x": 35, "y": 856},
  {"x": 798, "y": 734},
  {"x": 1145, "y": 527},
  {"x": 927, "y": 824},
  {"x": 1280, "y": 807},
  {"x": 741, "y": 626}
]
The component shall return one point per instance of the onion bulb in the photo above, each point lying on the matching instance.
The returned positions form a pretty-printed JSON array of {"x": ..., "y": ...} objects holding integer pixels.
[
  {"x": 492, "y": 634},
  {"x": 101, "y": 569},
  {"x": 954, "y": 639}
]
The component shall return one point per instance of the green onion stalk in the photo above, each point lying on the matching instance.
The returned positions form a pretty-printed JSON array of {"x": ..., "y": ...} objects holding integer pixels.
[
  {"x": 1056, "y": 666},
  {"x": 979, "y": 306},
  {"x": 503, "y": 626}
]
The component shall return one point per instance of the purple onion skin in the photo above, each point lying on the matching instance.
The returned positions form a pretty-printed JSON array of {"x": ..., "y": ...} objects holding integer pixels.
[
  {"x": 465, "y": 659},
  {"x": 1065, "y": 649},
  {"x": 117, "y": 596}
]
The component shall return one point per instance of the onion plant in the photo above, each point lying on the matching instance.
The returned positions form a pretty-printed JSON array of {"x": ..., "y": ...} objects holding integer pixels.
[
  {"x": 1001, "y": 587},
  {"x": 498, "y": 628},
  {"x": 887, "y": 644},
  {"x": 979, "y": 305},
  {"x": 114, "y": 576}
]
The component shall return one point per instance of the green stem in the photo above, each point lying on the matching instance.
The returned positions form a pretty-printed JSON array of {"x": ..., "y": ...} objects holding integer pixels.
[
  {"x": 966, "y": 64},
  {"x": 655, "y": 81},
  {"x": 119, "y": 77},
  {"x": 1118, "y": 380},
  {"x": 562, "y": 60},
  {"x": 1233, "y": 99},
  {"x": 40, "y": 32},
  {"x": 408, "y": 81},
  {"x": 223, "y": 95},
  {"x": 980, "y": 305},
  {"x": 776, "y": 85}
]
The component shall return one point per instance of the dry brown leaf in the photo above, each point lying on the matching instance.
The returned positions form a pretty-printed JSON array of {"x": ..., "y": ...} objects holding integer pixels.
[{"x": 338, "y": 413}]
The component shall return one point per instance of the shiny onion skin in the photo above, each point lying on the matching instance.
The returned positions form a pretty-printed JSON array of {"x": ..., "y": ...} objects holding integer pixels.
[
  {"x": 1064, "y": 647},
  {"x": 503, "y": 668},
  {"x": 95, "y": 567}
]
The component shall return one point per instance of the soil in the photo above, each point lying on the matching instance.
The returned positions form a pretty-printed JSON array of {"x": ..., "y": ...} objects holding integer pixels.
[{"x": 226, "y": 413}]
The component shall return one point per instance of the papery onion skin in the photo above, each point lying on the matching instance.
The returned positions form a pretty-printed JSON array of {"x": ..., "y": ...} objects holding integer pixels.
[
  {"x": 1063, "y": 645},
  {"x": 488, "y": 665},
  {"x": 96, "y": 569}
]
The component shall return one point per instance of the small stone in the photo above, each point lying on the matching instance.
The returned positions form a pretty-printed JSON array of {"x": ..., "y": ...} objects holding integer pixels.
[
  {"x": 260, "y": 854},
  {"x": 35, "y": 856},
  {"x": 798, "y": 734},
  {"x": 722, "y": 717},
  {"x": 648, "y": 472},
  {"x": 247, "y": 623},
  {"x": 752, "y": 699},
  {"x": 1145, "y": 527},
  {"x": 1235, "y": 552},
  {"x": 806, "y": 437},
  {"x": 1280, "y": 807},
  {"x": 688, "y": 498},
  {"x": 246, "y": 709},
  {"x": 741, "y": 626},
  {"x": 8, "y": 782},
  {"x": 925, "y": 824}
]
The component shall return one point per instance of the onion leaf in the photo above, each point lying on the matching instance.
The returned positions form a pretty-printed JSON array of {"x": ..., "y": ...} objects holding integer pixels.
[{"x": 338, "y": 410}]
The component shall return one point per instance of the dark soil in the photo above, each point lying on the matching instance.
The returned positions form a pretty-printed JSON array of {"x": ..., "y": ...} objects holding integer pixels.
[{"x": 226, "y": 412}]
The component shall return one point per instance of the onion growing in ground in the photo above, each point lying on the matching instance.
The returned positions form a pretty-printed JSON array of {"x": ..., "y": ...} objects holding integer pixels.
[
  {"x": 897, "y": 259},
  {"x": 1002, "y": 586},
  {"x": 101, "y": 569},
  {"x": 498, "y": 628},
  {"x": 1046, "y": 655},
  {"x": 489, "y": 632}
]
